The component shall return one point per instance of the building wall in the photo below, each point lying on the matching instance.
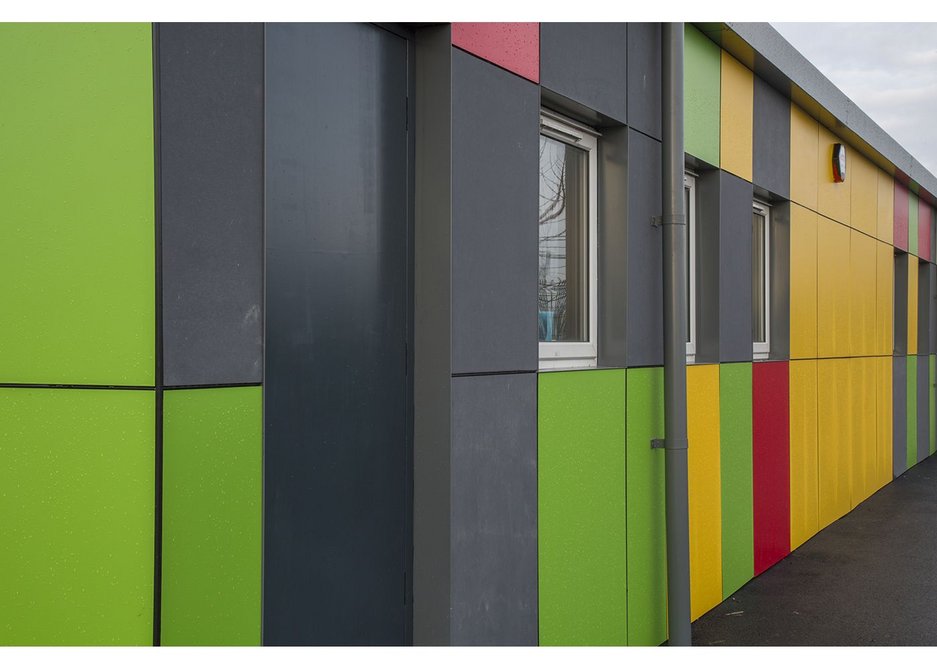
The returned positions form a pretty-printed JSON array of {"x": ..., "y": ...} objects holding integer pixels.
[{"x": 132, "y": 374}]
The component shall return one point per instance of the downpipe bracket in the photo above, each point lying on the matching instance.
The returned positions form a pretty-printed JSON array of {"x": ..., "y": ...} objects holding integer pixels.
[
  {"x": 664, "y": 444},
  {"x": 674, "y": 219}
]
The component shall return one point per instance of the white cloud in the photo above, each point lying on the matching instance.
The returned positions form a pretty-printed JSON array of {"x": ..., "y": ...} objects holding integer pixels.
[{"x": 888, "y": 69}]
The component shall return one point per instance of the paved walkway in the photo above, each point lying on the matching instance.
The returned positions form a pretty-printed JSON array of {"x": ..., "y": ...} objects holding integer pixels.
[{"x": 868, "y": 579}]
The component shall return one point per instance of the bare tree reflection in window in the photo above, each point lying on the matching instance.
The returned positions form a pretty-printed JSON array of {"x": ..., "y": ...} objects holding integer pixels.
[{"x": 563, "y": 243}]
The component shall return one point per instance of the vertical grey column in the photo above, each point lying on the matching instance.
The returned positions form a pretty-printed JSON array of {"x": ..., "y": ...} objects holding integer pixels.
[
  {"x": 493, "y": 471},
  {"x": 211, "y": 197},
  {"x": 337, "y": 515},
  {"x": 432, "y": 342},
  {"x": 675, "y": 417},
  {"x": 923, "y": 407},
  {"x": 899, "y": 398}
]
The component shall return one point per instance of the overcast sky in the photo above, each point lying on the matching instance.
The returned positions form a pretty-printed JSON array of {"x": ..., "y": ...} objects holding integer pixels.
[{"x": 888, "y": 69}]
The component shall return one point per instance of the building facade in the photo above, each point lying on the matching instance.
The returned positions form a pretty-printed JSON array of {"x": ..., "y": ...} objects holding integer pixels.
[{"x": 352, "y": 334}]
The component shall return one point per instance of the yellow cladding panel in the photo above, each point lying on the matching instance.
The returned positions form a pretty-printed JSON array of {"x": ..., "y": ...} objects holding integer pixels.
[
  {"x": 704, "y": 488},
  {"x": 803, "y": 421},
  {"x": 886, "y": 207},
  {"x": 884, "y": 298},
  {"x": 832, "y": 198},
  {"x": 912, "y": 304},
  {"x": 803, "y": 283},
  {"x": 832, "y": 289},
  {"x": 862, "y": 293},
  {"x": 863, "y": 208},
  {"x": 735, "y": 132},
  {"x": 834, "y": 430},
  {"x": 862, "y": 396},
  {"x": 883, "y": 424},
  {"x": 805, "y": 141}
]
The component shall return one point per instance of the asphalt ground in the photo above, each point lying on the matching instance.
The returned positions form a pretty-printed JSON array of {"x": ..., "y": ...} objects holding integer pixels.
[{"x": 870, "y": 578}]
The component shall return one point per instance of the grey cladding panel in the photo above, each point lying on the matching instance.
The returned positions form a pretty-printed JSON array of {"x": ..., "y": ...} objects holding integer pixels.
[
  {"x": 336, "y": 397},
  {"x": 923, "y": 411},
  {"x": 707, "y": 262},
  {"x": 211, "y": 198},
  {"x": 772, "y": 140},
  {"x": 587, "y": 63},
  {"x": 924, "y": 306},
  {"x": 494, "y": 510},
  {"x": 899, "y": 398},
  {"x": 735, "y": 269},
  {"x": 644, "y": 78},
  {"x": 495, "y": 194},
  {"x": 613, "y": 246},
  {"x": 781, "y": 281},
  {"x": 644, "y": 307},
  {"x": 901, "y": 303}
]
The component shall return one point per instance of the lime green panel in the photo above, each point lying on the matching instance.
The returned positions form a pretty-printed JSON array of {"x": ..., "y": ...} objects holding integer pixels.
[
  {"x": 212, "y": 478},
  {"x": 735, "y": 433},
  {"x": 702, "y": 63},
  {"x": 76, "y": 204},
  {"x": 76, "y": 502},
  {"x": 932, "y": 443},
  {"x": 913, "y": 231},
  {"x": 581, "y": 526},
  {"x": 912, "y": 410},
  {"x": 646, "y": 511}
]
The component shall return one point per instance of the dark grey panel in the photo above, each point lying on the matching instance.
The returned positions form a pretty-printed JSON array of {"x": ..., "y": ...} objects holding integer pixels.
[
  {"x": 336, "y": 395},
  {"x": 586, "y": 62},
  {"x": 494, "y": 510},
  {"x": 210, "y": 90},
  {"x": 495, "y": 144},
  {"x": 899, "y": 425},
  {"x": 644, "y": 77},
  {"x": 613, "y": 247},
  {"x": 644, "y": 306},
  {"x": 431, "y": 359},
  {"x": 923, "y": 407},
  {"x": 781, "y": 281},
  {"x": 708, "y": 187},
  {"x": 924, "y": 307},
  {"x": 771, "y": 147},
  {"x": 735, "y": 269},
  {"x": 901, "y": 303}
]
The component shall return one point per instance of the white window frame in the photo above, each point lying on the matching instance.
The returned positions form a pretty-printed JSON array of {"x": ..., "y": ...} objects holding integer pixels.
[
  {"x": 761, "y": 350},
  {"x": 689, "y": 183},
  {"x": 577, "y": 354}
]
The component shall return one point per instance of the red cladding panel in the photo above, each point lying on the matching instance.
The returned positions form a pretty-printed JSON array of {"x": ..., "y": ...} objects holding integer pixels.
[
  {"x": 923, "y": 223},
  {"x": 901, "y": 217},
  {"x": 513, "y": 46},
  {"x": 771, "y": 473}
]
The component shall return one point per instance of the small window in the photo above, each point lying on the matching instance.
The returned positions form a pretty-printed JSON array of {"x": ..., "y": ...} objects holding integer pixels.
[
  {"x": 761, "y": 280},
  {"x": 567, "y": 293},
  {"x": 689, "y": 190}
]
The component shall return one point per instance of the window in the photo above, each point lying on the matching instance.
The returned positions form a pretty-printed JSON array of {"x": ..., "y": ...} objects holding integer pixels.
[
  {"x": 761, "y": 280},
  {"x": 689, "y": 190},
  {"x": 567, "y": 244}
]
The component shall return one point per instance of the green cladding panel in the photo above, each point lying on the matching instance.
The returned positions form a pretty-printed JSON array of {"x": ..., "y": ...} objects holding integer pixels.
[
  {"x": 212, "y": 476},
  {"x": 912, "y": 410},
  {"x": 931, "y": 405},
  {"x": 702, "y": 62},
  {"x": 581, "y": 486},
  {"x": 76, "y": 505},
  {"x": 76, "y": 204},
  {"x": 735, "y": 432},
  {"x": 646, "y": 508},
  {"x": 913, "y": 231}
]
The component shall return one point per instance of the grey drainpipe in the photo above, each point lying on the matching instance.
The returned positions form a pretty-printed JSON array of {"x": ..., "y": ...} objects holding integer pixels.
[{"x": 674, "y": 264}]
